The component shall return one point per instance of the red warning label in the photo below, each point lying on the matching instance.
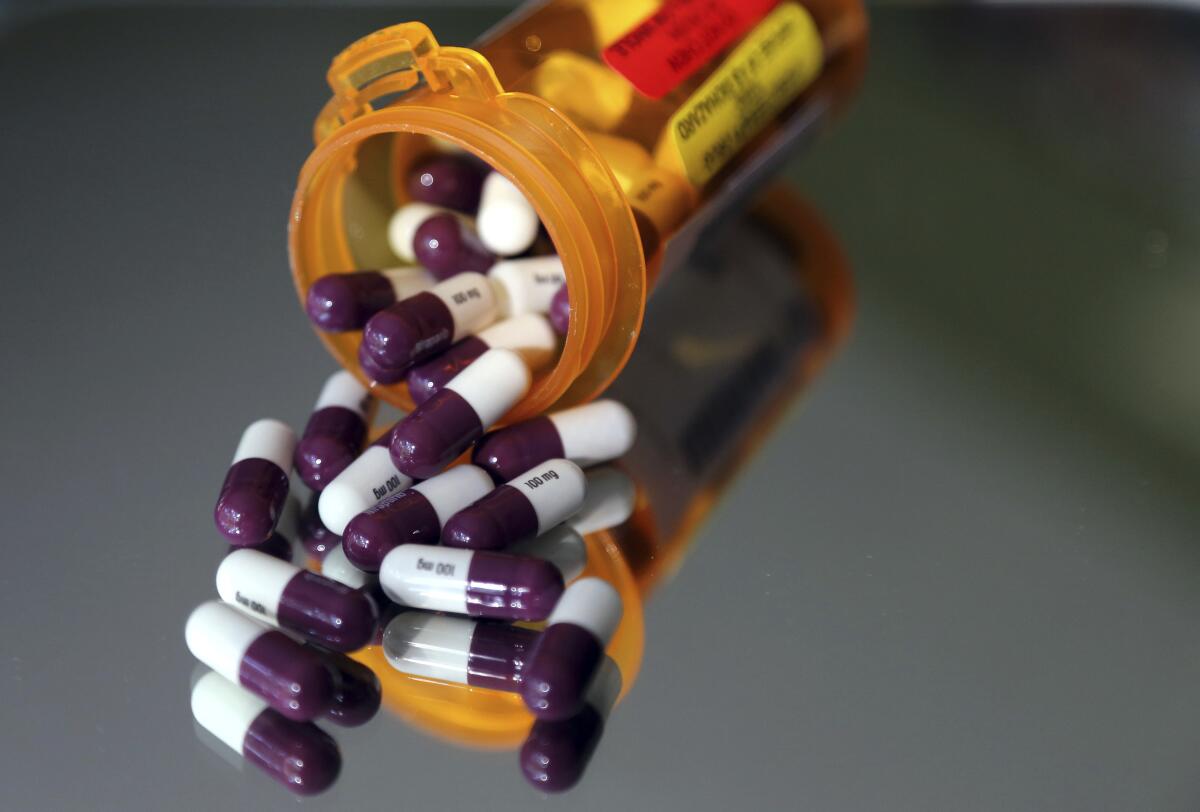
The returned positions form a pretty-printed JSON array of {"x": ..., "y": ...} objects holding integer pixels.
[{"x": 680, "y": 38}]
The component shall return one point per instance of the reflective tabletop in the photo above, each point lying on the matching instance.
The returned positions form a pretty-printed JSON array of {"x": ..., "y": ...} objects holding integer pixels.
[{"x": 911, "y": 523}]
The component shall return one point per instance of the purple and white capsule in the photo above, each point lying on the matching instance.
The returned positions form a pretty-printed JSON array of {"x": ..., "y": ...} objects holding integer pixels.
[
  {"x": 366, "y": 482},
  {"x": 556, "y": 753},
  {"x": 453, "y": 181},
  {"x": 446, "y": 244},
  {"x": 412, "y": 516},
  {"x": 560, "y": 311},
  {"x": 342, "y": 302},
  {"x": 506, "y": 222},
  {"x": 470, "y": 582},
  {"x": 404, "y": 224},
  {"x": 445, "y": 425},
  {"x": 298, "y": 755},
  {"x": 417, "y": 328},
  {"x": 529, "y": 335},
  {"x": 566, "y": 656},
  {"x": 290, "y": 676},
  {"x": 318, "y": 608},
  {"x": 482, "y": 654},
  {"x": 525, "y": 506},
  {"x": 588, "y": 435},
  {"x": 335, "y": 431},
  {"x": 529, "y": 284},
  {"x": 256, "y": 486}
]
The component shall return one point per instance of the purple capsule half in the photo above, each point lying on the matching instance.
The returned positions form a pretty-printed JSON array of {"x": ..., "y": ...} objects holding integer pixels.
[
  {"x": 560, "y": 311},
  {"x": 256, "y": 485},
  {"x": 335, "y": 431},
  {"x": 427, "y": 379},
  {"x": 340, "y": 302},
  {"x": 571, "y": 648},
  {"x": 327, "y": 612},
  {"x": 290, "y": 676},
  {"x": 452, "y": 181},
  {"x": 314, "y": 535},
  {"x": 446, "y": 245},
  {"x": 408, "y": 332},
  {"x": 482, "y": 654},
  {"x": 298, "y": 755},
  {"x": 509, "y": 451},
  {"x": 470, "y": 582},
  {"x": 377, "y": 372},
  {"x": 357, "y": 692}
]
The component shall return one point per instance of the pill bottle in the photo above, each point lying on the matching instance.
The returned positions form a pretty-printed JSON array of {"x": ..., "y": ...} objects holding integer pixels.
[
  {"x": 628, "y": 125},
  {"x": 732, "y": 378}
]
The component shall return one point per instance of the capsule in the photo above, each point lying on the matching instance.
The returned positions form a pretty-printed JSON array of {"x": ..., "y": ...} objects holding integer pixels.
[
  {"x": 556, "y": 753},
  {"x": 452, "y": 181},
  {"x": 562, "y": 546},
  {"x": 529, "y": 283},
  {"x": 357, "y": 693},
  {"x": 609, "y": 502},
  {"x": 417, "y": 328},
  {"x": 335, "y": 431},
  {"x": 560, "y": 311},
  {"x": 566, "y": 656},
  {"x": 506, "y": 222},
  {"x": 337, "y": 567},
  {"x": 322, "y": 610},
  {"x": 412, "y": 516},
  {"x": 590, "y": 434},
  {"x": 445, "y": 425},
  {"x": 256, "y": 486},
  {"x": 341, "y": 302},
  {"x": 314, "y": 536},
  {"x": 470, "y": 582},
  {"x": 365, "y": 482},
  {"x": 298, "y": 755},
  {"x": 404, "y": 224},
  {"x": 527, "y": 505},
  {"x": 447, "y": 245},
  {"x": 482, "y": 654},
  {"x": 290, "y": 676}
]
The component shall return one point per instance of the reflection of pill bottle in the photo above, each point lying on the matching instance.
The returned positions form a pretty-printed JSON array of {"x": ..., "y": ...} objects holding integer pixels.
[
  {"x": 628, "y": 125},
  {"x": 732, "y": 376}
]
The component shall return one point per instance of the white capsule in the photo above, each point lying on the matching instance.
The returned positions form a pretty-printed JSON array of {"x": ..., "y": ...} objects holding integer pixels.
[
  {"x": 218, "y": 635},
  {"x": 452, "y": 490},
  {"x": 554, "y": 488},
  {"x": 610, "y": 500},
  {"x": 492, "y": 384},
  {"x": 428, "y": 645},
  {"x": 592, "y": 604},
  {"x": 528, "y": 335},
  {"x": 595, "y": 432},
  {"x": 343, "y": 389},
  {"x": 409, "y": 280},
  {"x": 364, "y": 483},
  {"x": 427, "y": 577},
  {"x": 506, "y": 222},
  {"x": 269, "y": 440},
  {"x": 529, "y": 283},
  {"x": 562, "y": 546},
  {"x": 472, "y": 301},
  {"x": 404, "y": 224},
  {"x": 224, "y": 709},
  {"x": 336, "y": 567}
]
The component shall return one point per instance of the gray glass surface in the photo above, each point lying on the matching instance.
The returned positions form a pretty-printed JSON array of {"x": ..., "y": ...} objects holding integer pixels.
[{"x": 961, "y": 574}]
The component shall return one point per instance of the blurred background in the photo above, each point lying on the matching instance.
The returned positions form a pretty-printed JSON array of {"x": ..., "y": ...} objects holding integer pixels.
[{"x": 962, "y": 572}]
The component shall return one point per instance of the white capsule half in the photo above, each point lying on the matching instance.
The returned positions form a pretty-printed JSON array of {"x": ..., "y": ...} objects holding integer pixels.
[
  {"x": 595, "y": 432},
  {"x": 592, "y": 604},
  {"x": 409, "y": 280},
  {"x": 336, "y": 567},
  {"x": 555, "y": 489},
  {"x": 365, "y": 483},
  {"x": 506, "y": 222},
  {"x": 562, "y": 546},
  {"x": 225, "y": 709},
  {"x": 254, "y": 582},
  {"x": 492, "y": 384},
  {"x": 452, "y": 490},
  {"x": 610, "y": 500},
  {"x": 343, "y": 389},
  {"x": 529, "y": 284},
  {"x": 472, "y": 301},
  {"x": 403, "y": 227},
  {"x": 428, "y": 645},
  {"x": 218, "y": 636},
  {"x": 427, "y": 577},
  {"x": 528, "y": 335},
  {"x": 269, "y": 440}
]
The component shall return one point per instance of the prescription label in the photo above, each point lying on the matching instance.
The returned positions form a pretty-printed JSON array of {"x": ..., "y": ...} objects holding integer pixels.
[
  {"x": 680, "y": 38},
  {"x": 765, "y": 73}
]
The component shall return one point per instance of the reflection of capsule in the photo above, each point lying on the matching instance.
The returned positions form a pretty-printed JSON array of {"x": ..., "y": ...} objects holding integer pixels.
[
  {"x": 298, "y": 755},
  {"x": 323, "y": 610},
  {"x": 277, "y": 546},
  {"x": 356, "y": 691},
  {"x": 313, "y": 535},
  {"x": 556, "y": 753},
  {"x": 563, "y": 547},
  {"x": 482, "y": 654},
  {"x": 610, "y": 500},
  {"x": 256, "y": 486},
  {"x": 291, "y": 677},
  {"x": 571, "y": 648}
]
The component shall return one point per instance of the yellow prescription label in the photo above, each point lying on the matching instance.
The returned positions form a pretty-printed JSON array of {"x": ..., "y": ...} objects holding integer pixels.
[{"x": 763, "y": 74}]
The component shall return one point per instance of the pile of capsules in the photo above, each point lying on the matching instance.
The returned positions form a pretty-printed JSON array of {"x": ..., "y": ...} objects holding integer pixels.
[{"x": 450, "y": 556}]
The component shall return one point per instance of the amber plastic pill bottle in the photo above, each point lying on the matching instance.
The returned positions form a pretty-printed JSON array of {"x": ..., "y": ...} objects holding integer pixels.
[{"x": 629, "y": 126}]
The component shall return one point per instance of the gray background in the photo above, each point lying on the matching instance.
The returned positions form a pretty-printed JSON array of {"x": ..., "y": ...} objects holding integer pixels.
[{"x": 962, "y": 575}]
